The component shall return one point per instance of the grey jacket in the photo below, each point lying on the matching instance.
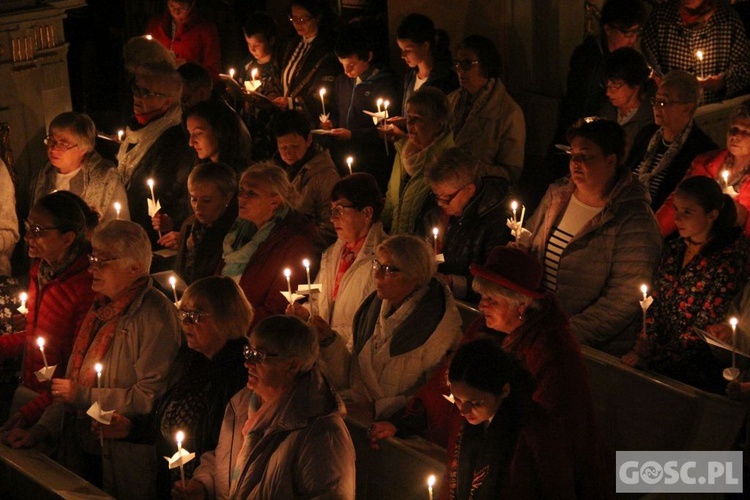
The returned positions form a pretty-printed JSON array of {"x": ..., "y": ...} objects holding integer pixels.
[
  {"x": 305, "y": 452},
  {"x": 603, "y": 266}
]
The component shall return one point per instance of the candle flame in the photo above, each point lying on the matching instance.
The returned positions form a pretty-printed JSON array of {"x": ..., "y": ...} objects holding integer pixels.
[
  {"x": 514, "y": 205},
  {"x": 380, "y": 102},
  {"x": 231, "y": 72},
  {"x": 150, "y": 183},
  {"x": 98, "y": 367},
  {"x": 149, "y": 37},
  {"x": 120, "y": 133},
  {"x": 172, "y": 281},
  {"x": 40, "y": 342},
  {"x": 254, "y": 73},
  {"x": 435, "y": 231},
  {"x": 431, "y": 481},
  {"x": 287, "y": 272},
  {"x": 180, "y": 436},
  {"x": 322, "y": 91},
  {"x": 644, "y": 289},
  {"x": 24, "y": 297},
  {"x": 349, "y": 160},
  {"x": 117, "y": 207},
  {"x": 733, "y": 321},
  {"x": 306, "y": 263},
  {"x": 386, "y": 104},
  {"x": 699, "y": 55},
  {"x": 725, "y": 175}
]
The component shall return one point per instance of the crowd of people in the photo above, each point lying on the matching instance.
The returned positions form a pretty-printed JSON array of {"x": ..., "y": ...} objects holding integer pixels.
[{"x": 327, "y": 221}]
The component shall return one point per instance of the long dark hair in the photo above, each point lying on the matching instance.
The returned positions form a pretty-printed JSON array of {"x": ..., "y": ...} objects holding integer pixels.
[
  {"x": 708, "y": 194},
  {"x": 420, "y": 29},
  {"x": 226, "y": 126}
]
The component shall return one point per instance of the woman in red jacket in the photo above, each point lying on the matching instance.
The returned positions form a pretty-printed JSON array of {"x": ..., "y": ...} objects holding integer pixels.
[
  {"x": 59, "y": 296},
  {"x": 187, "y": 36},
  {"x": 732, "y": 162}
]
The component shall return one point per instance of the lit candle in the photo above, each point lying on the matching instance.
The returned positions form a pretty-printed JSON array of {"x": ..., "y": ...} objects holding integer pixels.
[
  {"x": 644, "y": 291},
  {"x": 98, "y": 367},
  {"x": 24, "y": 297},
  {"x": 644, "y": 304},
  {"x": 173, "y": 283},
  {"x": 118, "y": 207},
  {"x": 725, "y": 176},
  {"x": 520, "y": 222},
  {"x": 430, "y": 484},
  {"x": 322, "y": 99},
  {"x": 231, "y": 73},
  {"x": 514, "y": 207},
  {"x": 434, "y": 238},
  {"x": 699, "y": 55},
  {"x": 379, "y": 102},
  {"x": 120, "y": 134},
  {"x": 254, "y": 73},
  {"x": 180, "y": 438},
  {"x": 385, "y": 107},
  {"x": 733, "y": 323},
  {"x": 385, "y": 136},
  {"x": 40, "y": 343},
  {"x": 306, "y": 263},
  {"x": 150, "y": 183},
  {"x": 288, "y": 273},
  {"x": 149, "y": 37},
  {"x": 349, "y": 161}
]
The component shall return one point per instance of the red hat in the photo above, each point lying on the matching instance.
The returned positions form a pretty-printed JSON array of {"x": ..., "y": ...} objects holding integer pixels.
[{"x": 514, "y": 269}]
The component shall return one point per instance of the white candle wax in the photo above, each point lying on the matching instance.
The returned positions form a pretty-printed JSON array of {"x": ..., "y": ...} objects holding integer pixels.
[
  {"x": 435, "y": 232},
  {"x": 514, "y": 207},
  {"x": 733, "y": 322},
  {"x": 173, "y": 283},
  {"x": 150, "y": 183},
  {"x": 306, "y": 263},
  {"x": 322, "y": 99},
  {"x": 288, "y": 274},
  {"x": 379, "y": 102},
  {"x": 40, "y": 343}
]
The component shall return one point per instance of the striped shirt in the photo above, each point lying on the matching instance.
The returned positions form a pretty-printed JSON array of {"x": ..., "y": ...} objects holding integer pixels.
[
  {"x": 576, "y": 216},
  {"x": 656, "y": 180}
]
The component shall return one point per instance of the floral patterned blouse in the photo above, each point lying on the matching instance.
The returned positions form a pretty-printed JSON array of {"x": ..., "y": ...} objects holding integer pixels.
[{"x": 696, "y": 295}]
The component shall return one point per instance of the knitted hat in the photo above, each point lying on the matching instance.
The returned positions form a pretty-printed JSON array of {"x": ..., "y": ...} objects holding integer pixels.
[{"x": 514, "y": 269}]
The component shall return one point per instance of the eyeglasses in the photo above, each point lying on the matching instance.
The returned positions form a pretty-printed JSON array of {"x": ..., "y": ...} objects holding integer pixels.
[
  {"x": 255, "y": 357},
  {"x": 629, "y": 33},
  {"x": 615, "y": 86},
  {"x": 95, "y": 261},
  {"x": 338, "y": 210},
  {"x": 191, "y": 317},
  {"x": 36, "y": 230},
  {"x": 662, "y": 103},
  {"x": 299, "y": 20},
  {"x": 581, "y": 157},
  {"x": 59, "y": 146},
  {"x": 447, "y": 200},
  {"x": 387, "y": 269},
  {"x": 735, "y": 131},
  {"x": 464, "y": 64},
  {"x": 144, "y": 93}
]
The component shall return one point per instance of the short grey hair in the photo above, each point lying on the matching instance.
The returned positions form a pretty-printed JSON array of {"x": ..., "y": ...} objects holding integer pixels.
[
  {"x": 125, "y": 240},
  {"x": 289, "y": 337},
  {"x": 453, "y": 164},
  {"x": 78, "y": 124},
  {"x": 412, "y": 255},
  {"x": 685, "y": 84},
  {"x": 276, "y": 180},
  {"x": 230, "y": 312}
]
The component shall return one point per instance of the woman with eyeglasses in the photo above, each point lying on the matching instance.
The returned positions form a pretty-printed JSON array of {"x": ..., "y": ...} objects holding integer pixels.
[
  {"x": 469, "y": 214},
  {"x": 629, "y": 92},
  {"x": 308, "y": 63},
  {"x": 732, "y": 162},
  {"x": 698, "y": 275},
  {"x": 401, "y": 332},
  {"x": 345, "y": 275},
  {"x": 187, "y": 36},
  {"x": 75, "y": 166},
  {"x": 59, "y": 296},
  {"x": 132, "y": 330},
  {"x": 597, "y": 237},
  {"x": 428, "y": 124},
  {"x": 283, "y": 436},
  {"x": 269, "y": 236},
  {"x": 486, "y": 121},
  {"x": 662, "y": 152}
]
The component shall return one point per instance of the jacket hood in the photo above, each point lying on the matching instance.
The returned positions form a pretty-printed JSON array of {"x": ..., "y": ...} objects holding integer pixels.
[{"x": 311, "y": 398}]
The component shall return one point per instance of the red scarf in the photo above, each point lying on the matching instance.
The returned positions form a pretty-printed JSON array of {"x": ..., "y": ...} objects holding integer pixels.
[
  {"x": 97, "y": 331},
  {"x": 348, "y": 255}
]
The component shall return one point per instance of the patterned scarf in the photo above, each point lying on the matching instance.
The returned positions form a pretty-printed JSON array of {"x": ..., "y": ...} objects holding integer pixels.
[
  {"x": 97, "y": 332},
  {"x": 347, "y": 259},
  {"x": 468, "y": 103},
  {"x": 653, "y": 146},
  {"x": 240, "y": 244}
]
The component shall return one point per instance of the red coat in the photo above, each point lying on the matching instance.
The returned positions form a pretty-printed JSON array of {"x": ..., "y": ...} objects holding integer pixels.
[
  {"x": 289, "y": 243},
  {"x": 196, "y": 41},
  {"x": 55, "y": 313},
  {"x": 707, "y": 165}
]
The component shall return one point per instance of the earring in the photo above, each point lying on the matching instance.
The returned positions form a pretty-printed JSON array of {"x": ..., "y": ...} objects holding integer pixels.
[{"x": 520, "y": 317}]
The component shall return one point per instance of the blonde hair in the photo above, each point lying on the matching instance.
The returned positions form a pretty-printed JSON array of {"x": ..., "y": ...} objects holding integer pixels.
[
  {"x": 275, "y": 179},
  {"x": 126, "y": 240},
  {"x": 412, "y": 255},
  {"x": 230, "y": 312}
]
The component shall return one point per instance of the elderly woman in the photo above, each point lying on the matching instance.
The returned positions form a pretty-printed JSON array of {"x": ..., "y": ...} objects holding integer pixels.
[
  {"x": 629, "y": 89},
  {"x": 268, "y": 237},
  {"x": 284, "y": 435},
  {"x": 427, "y": 120},
  {"x": 734, "y": 162},
  {"x": 75, "y": 166},
  {"x": 487, "y": 122},
  {"x": 401, "y": 332},
  {"x": 468, "y": 217},
  {"x": 508, "y": 446},
  {"x": 59, "y": 297},
  {"x": 345, "y": 275},
  {"x": 597, "y": 238},
  {"x": 212, "y": 188},
  {"x": 189, "y": 37},
  {"x": 662, "y": 153},
  {"x": 698, "y": 276},
  {"x": 132, "y": 330},
  {"x": 308, "y": 62}
]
